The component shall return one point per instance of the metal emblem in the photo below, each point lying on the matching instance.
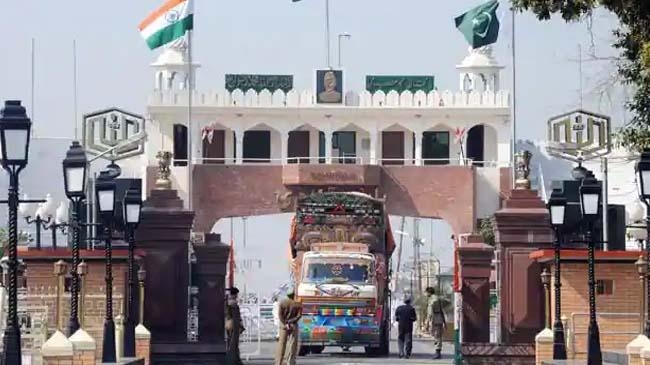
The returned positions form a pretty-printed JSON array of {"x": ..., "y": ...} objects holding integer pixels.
[
  {"x": 579, "y": 136},
  {"x": 114, "y": 134}
]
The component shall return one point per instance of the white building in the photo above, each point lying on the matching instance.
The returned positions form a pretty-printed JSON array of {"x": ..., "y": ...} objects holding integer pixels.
[{"x": 369, "y": 129}]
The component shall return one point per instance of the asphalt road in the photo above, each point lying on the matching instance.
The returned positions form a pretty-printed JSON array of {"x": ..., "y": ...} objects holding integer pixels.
[{"x": 422, "y": 354}]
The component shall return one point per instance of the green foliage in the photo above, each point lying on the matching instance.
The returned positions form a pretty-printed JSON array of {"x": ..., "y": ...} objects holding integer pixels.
[
  {"x": 633, "y": 42},
  {"x": 486, "y": 230}
]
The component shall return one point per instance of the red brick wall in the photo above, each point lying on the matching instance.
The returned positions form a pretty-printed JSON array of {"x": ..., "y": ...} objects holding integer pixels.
[{"x": 618, "y": 318}]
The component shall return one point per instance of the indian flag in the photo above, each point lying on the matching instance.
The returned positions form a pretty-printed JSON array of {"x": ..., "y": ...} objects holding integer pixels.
[{"x": 168, "y": 23}]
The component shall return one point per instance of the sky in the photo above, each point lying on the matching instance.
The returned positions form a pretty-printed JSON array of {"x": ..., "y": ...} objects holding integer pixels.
[{"x": 405, "y": 37}]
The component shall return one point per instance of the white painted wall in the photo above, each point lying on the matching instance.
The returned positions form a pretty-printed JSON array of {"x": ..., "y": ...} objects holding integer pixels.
[{"x": 488, "y": 182}]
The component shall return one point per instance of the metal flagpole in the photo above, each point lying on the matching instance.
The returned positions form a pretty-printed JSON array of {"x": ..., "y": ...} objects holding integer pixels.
[
  {"x": 513, "y": 118},
  {"x": 74, "y": 88},
  {"x": 327, "y": 28},
  {"x": 190, "y": 130},
  {"x": 33, "y": 82}
]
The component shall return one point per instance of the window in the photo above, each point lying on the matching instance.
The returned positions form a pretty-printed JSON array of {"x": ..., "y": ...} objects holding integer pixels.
[
  {"x": 435, "y": 148},
  {"x": 257, "y": 146},
  {"x": 604, "y": 287},
  {"x": 180, "y": 145},
  {"x": 346, "y": 144}
]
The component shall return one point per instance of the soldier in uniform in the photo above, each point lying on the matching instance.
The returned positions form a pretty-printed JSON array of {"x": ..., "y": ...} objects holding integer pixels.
[
  {"x": 436, "y": 319},
  {"x": 234, "y": 328},
  {"x": 290, "y": 313}
]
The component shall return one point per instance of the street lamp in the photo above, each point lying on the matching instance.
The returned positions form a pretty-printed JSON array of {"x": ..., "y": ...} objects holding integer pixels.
[
  {"x": 15, "y": 129},
  {"x": 642, "y": 268},
  {"x": 557, "y": 212},
  {"x": 643, "y": 171},
  {"x": 40, "y": 215},
  {"x": 132, "y": 207},
  {"x": 105, "y": 198},
  {"x": 341, "y": 36},
  {"x": 590, "y": 206},
  {"x": 75, "y": 166}
]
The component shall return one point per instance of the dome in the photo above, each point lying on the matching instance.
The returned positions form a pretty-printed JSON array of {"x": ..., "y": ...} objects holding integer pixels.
[{"x": 171, "y": 57}]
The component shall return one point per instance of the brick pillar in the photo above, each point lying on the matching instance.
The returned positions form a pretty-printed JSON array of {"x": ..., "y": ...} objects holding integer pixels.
[
  {"x": 143, "y": 344},
  {"x": 645, "y": 355},
  {"x": 475, "y": 260},
  {"x": 211, "y": 260},
  {"x": 84, "y": 348},
  {"x": 543, "y": 346},
  {"x": 634, "y": 348},
  {"x": 57, "y": 350},
  {"x": 163, "y": 234},
  {"x": 522, "y": 226}
]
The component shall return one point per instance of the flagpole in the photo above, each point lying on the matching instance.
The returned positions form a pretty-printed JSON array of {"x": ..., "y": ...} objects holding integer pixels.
[
  {"x": 190, "y": 130},
  {"x": 74, "y": 88},
  {"x": 33, "y": 82},
  {"x": 513, "y": 113},
  {"x": 327, "y": 29}
]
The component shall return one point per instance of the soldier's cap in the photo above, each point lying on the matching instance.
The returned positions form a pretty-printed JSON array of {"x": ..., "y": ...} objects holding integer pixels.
[
  {"x": 290, "y": 291},
  {"x": 233, "y": 291}
]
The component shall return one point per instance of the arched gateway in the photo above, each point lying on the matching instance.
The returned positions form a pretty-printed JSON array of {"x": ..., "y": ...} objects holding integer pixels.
[{"x": 257, "y": 147}]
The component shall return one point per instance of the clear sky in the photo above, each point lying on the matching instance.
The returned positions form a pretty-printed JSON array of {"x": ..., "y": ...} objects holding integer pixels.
[{"x": 278, "y": 36}]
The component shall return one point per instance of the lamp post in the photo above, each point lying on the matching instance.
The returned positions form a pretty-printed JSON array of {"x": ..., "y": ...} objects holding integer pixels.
[
  {"x": 546, "y": 282},
  {"x": 58, "y": 223},
  {"x": 105, "y": 198},
  {"x": 341, "y": 36},
  {"x": 642, "y": 269},
  {"x": 590, "y": 205},
  {"x": 40, "y": 217},
  {"x": 643, "y": 171},
  {"x": 15, "y": 131},
  {"x": 132, "y": 207},
  {"x": 142, "y": 276},
  {"x": 75, "y": 166},
  {"x": 557, "y": 212}
]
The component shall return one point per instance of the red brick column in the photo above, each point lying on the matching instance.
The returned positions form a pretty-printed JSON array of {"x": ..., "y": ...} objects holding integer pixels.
[
  {"x": 475, "y": 261},
  {"x": 143, "y": 344}
]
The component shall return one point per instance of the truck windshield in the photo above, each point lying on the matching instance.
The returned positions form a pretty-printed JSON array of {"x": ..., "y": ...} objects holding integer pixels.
[{"x": 336, "y": 272}]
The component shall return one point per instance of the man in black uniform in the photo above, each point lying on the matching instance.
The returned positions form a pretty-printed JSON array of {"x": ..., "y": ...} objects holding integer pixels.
[{"x": 405, "y": 316}]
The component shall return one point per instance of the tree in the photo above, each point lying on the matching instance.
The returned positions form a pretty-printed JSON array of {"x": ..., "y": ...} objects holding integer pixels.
[
  {"x": 633, "y": 42},
  {"x": 486, "y": 230}
]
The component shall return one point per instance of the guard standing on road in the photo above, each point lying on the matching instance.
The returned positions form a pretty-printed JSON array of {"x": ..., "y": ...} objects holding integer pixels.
[
  {"x": 405, "y": 316},
  {"x": 290, "y": 313},
  {"x": 436, "y": 319},
  {"x": 234, "y": 328}
]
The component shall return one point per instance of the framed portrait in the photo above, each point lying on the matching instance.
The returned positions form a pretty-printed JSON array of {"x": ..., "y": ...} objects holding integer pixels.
[{"x": 329, "y": 86}]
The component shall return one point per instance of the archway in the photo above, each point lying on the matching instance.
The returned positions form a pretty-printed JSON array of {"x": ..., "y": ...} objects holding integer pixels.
[
  {"x": 481, "y": 145},
  {"x": 261, "y": 144}
]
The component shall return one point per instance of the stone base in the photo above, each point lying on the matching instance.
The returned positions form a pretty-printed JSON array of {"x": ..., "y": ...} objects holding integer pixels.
[
  {"x": 188, "y": 354},
  {"x": 164, "y": 199},
  {"x": 494, "y": 354}
]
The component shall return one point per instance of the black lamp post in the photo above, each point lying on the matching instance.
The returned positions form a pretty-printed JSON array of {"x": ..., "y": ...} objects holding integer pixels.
[
  {"x": 546, "y": 282},
  {"x": 590, "y": 203},
  {"x": 643, "y": 171},
  {"x": 15, "y": 129},
  {"x": 557, "y": 212},
  {"x": 105, "y": 191},
  {"x": 642, "y": 269},
  {"x": 132, "y": 206},
  {"x": 75, "y": 167}
]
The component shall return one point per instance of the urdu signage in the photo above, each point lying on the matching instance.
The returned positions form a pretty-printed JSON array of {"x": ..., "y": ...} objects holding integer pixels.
[{"x": 579, "y": 136}]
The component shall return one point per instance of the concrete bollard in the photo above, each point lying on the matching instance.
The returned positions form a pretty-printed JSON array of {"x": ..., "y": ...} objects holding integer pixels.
[
  {"x": 543, "y": 346},
  {"x": 57, "y": 350},
  {"x": 84, "y": 348}
]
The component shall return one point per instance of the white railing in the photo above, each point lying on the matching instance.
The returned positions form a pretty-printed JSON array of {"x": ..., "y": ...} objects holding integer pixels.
[
  {"x": 307, "y": 99},
  {"x": 348, "y": 160}
]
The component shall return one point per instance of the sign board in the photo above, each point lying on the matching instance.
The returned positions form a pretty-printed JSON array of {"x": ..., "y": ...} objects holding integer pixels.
[
  {"x": 272, "y": 83},
  {"x": 400, "y": 83},
  {"x": 114, "y": 134},
  {"x": 579, "y": 136}
]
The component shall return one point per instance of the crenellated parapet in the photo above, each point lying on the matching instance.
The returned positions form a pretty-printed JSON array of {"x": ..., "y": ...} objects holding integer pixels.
[{"x": 307, "y": 99}]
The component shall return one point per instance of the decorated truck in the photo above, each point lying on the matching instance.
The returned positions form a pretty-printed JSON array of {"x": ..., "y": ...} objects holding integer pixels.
[{"x": 341, "y": 244}]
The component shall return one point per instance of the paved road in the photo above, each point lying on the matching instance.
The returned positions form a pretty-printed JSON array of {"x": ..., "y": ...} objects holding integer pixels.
[{"x": 422, "y": 354}]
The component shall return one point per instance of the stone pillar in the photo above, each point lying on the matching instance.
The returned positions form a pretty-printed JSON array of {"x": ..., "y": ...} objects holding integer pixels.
[
  {"x": 211, "y": 261},
  {"x": 143, "y": 344},
  {"x": 543, "y": 346},
  {"x": 634, "y": 349},
  {"x": 57, "y": 350},
  {"x": 374, "y": 135},
  {"x": 475, "y": 261},
  {"x": 521, "y": 227},
  {"x": 163, "y": 234},
  {"x": 328, "y": 145},
  {"x": 84, "y": 348},
  {"x": 284, "y": 145},
  {"x": 418, "y": 147},
  {"x": 239, "y": 146}
]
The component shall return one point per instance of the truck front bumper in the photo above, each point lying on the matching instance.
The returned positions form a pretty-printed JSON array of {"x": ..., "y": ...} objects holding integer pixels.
[{"x": 339, "y": 330}]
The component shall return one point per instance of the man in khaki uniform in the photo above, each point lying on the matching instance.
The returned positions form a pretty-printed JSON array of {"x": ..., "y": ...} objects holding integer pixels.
[
  {"x": 289, "y": 313},
  {"x": 234, "y": 328},
  {"x": 436, "y": 319}
]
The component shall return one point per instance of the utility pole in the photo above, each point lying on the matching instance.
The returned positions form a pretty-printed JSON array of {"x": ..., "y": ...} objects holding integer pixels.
[{"x": 416, "y": 253}]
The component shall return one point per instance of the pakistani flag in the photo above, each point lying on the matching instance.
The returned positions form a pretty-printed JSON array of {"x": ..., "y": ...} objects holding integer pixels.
[{"x": 480, "y": 26}]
